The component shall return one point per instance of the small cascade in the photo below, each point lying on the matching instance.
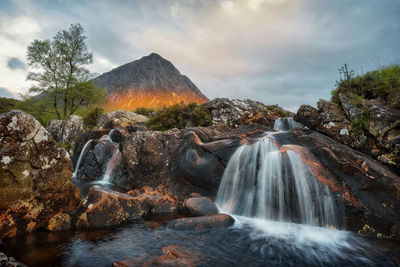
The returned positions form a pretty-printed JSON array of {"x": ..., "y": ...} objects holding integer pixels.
[
  {"x": 83, "y": 152},
  {"x": 111, "y": 166},
  {"x": 286, "y": 123},
  {"x": 263, "y": 180}
]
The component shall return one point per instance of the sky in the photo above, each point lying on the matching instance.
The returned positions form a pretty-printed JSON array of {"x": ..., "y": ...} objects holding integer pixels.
[{"x": 284, "y": 52}]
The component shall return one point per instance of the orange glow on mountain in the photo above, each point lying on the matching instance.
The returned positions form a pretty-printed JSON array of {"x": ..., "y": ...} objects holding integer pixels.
[{"x": 132, "y": 100}]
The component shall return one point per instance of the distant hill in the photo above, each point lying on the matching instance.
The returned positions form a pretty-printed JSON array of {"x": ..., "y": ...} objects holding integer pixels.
[{"x": 151, "y": 81}]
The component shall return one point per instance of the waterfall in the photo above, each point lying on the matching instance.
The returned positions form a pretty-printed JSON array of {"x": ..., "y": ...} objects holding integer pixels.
[
  {"x": 111, "y": 165},
  {"x": 263, "y": 180},
  {"x": 78, "y": 163},
  {"x": 287, "y": 123}
]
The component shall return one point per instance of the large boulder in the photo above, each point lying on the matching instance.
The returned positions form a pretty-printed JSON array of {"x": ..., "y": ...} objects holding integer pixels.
[
  {"x": 119, "y": 118},
  {"x": 200, "y": 206},
  {"x": 370, "y": 126},
  {"x": 235, "y": 112},
  {"x": 35, "y": 176},
  {"x": 105, "y": 207},
  {"x": 66, "y": 131}
]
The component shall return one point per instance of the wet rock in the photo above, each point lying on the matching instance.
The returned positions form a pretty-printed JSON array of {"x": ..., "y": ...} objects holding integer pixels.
[
  {"x": 234, "y": 112},
  {"x": 119, "y": 118},
  {"x": 202, "y": 222},
  {"x": 159, "y": 201},
  {"x": 200, "y": 206},
  {"x": 66, "y": 131},
  {"x": 106, "y": 207},
  {"x": 9, "y": 261},
  {"x": 34, "y": 176},
  {"x": 60, "y": 221},
  {"x": 83, "y": 139}
]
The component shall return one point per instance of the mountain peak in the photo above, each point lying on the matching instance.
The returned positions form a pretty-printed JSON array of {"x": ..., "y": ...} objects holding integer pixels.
[{"x": 151, "y": 76}]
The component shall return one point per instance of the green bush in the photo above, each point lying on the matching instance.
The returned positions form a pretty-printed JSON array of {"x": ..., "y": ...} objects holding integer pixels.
[
  {"x": 179, "y": 116},
  {"x": 91, "y": 117},
  {"x": 383, "y": 83}
]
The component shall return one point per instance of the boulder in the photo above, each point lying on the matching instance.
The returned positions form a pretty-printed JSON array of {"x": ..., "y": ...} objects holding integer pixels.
[
  {"x": 202, "y": 222},
  {"x": 67, "y": 131},
  {"x": 235, "y": 112},
  {"x": 35, "y": 176},
  {"x": 105, "y": 207},
  {"x": 119, "y": 118},
  {"x": 200, "y": 206}
]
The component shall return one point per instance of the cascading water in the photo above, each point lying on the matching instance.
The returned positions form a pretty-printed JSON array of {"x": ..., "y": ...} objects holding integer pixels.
[
  {"x": 112, "y": 162},
  {"x": 83, "y": 152},
  {"x": 264, "y": 181},
  {"x": 111, "y": 165},
  {"x": 288, "y": 123}
]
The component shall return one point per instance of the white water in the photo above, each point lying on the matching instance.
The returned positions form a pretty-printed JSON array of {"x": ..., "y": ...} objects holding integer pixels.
[
  {"x": 111, "y": 166},
  {"x": 78, "y": 163},
  {"x": 265, "y": 182},
  {"x": 288, "y": 123}
]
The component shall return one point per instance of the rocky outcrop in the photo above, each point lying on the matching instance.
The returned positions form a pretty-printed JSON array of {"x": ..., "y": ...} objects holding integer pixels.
[
  {"x": 119, "y": 118},
  {"x": 202, "y": 222},
  {"x": 370, "y": 126},
  {"x": 235, "y": 112},
  {"x": 200, "y": 206},
  {"x": 35, "y": 186},
  {"x": 9, "y": 261},
  {"x": 105, "y": 207},
  {"x": 184, "y": 161},
  {"x": 66, "y": 131}
]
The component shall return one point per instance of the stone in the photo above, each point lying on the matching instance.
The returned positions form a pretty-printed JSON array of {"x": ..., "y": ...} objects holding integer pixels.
[
  {"x": 105, "y": 207},
  {"x": 202, "y": 222},
  {"x": 60, "y": 221},
  {"x": 200, "y": 206},
  {"x": 235, "y": 112},
  {"x": 66, "y": 131},
  {"x": 35, "y": 176},
  {"x": 372, "y": 126},
  {"x": 119, "y": 118}
]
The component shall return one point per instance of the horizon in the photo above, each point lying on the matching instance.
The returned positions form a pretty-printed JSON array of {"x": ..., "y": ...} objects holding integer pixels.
[{"x": 283, "y": 52}]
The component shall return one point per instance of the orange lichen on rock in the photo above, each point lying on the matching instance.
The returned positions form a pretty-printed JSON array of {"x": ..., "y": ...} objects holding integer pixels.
[{"x": 132, "y": 100}]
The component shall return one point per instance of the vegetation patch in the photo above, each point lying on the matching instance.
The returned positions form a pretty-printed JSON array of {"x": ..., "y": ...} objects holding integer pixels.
[{"x": 179, "y": 116}]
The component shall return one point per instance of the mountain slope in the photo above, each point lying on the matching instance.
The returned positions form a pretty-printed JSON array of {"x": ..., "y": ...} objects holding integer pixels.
[{"x": 151, "y": 81}]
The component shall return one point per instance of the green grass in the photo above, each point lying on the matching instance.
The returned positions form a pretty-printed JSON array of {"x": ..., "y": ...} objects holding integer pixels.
[
  {"x": 381, "y": 83},
  {"x": 179, "y": 116}
]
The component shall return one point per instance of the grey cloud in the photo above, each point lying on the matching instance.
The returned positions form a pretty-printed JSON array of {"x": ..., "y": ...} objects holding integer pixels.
[
  {"x": 15, "y": 63},
  {"x": 287, "y": 54},
  {"x": 4, "y": 92}
]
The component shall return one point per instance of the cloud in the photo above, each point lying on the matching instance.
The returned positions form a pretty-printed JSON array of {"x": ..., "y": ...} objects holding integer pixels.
[
  {"x": 14, "y": 63},
  {"x": 275, "y": 51},
  {"x": 6, "y": 93}
]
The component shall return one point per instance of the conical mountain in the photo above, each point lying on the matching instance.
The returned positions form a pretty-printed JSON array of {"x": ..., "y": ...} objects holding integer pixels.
[{"x": 151, "y": 81}]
